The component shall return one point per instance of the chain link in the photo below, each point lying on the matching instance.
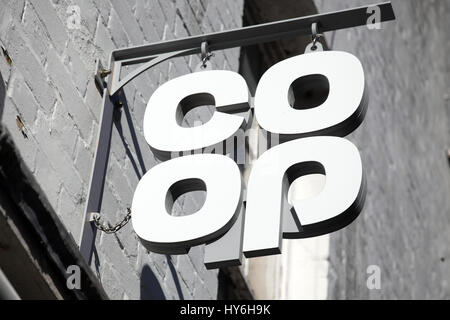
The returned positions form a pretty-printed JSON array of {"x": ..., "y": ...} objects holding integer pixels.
[
  {"x": 206, "y": 58},
  {"x": 111, "y": 229}
]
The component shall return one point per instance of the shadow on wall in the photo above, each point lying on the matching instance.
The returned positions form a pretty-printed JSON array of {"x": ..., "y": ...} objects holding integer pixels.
[
  {"x": 150, "y": 287},
  {"x": 175, "y": 277},
  {"x": 2, "y": 96},
  {"x": 117, "y": 123}
]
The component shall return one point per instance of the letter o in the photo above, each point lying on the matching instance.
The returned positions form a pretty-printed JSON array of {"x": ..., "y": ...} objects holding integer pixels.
[
  {"x": 161, "y": 232},
  {"x": 341, "y": 112}
]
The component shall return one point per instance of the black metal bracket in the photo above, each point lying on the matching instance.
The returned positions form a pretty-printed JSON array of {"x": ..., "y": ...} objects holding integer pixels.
[{"x": 109, "y": 80}]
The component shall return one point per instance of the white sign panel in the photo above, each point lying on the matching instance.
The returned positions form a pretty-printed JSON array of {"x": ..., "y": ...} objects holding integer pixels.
[{"x": 306, "y": 100}]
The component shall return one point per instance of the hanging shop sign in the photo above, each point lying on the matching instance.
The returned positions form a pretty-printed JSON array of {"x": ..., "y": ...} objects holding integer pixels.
[
  {"x": 303, "y": 106},
  {"x": 253, "y": 220}
]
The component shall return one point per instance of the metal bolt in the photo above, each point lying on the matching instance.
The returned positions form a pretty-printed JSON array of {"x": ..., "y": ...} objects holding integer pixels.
[
  {"x": 104, "y": 73},
  {"x": 6, "y": 55}
]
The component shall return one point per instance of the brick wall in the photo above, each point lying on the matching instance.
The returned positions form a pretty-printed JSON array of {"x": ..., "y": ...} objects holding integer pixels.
[
  {"x": 405, "y": 226},
  {"x": 50, "y": 86}
]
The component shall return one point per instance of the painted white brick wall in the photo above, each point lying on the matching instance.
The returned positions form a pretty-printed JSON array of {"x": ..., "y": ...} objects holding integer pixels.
[
  {"x": 50, "y": 85},
  {"x": 404, "y": 228}
]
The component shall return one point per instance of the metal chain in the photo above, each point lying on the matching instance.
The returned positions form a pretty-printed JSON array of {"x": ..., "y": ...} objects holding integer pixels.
[
  {"x": 111, "y": 229},
  {"x": 206, "y": 58},
  {"x": 205, "y": 53},
  {"x": 315, "y": 35}
]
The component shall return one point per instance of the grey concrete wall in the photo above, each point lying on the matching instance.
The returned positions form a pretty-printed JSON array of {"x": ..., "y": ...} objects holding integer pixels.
[
  {"x": 405, "y": 226},
  {"x": 50, "y": 86}
]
